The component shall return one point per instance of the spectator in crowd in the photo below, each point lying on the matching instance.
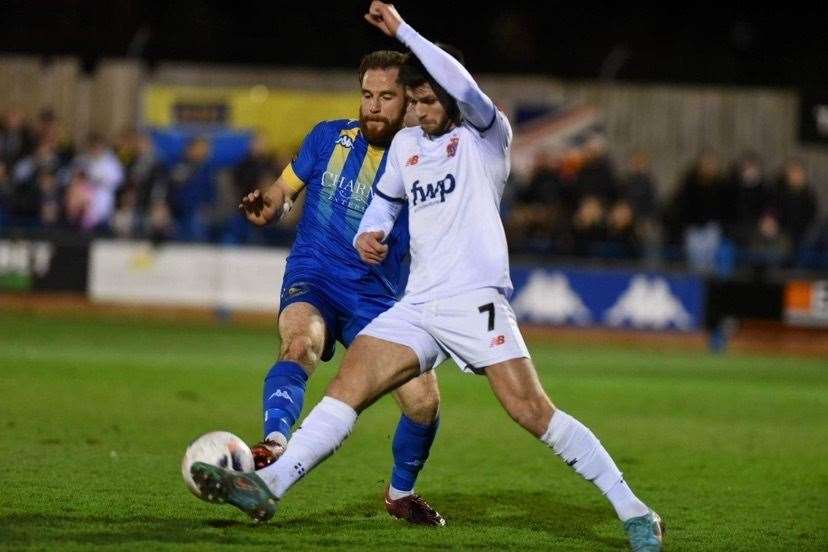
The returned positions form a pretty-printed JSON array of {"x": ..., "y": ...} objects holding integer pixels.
[
  {"x": 698, "y": 207},
  {"x": 816, "y": 255},
  {"x": 594, "y": 191},
  {"x": 34, "y": 184},
  {"x": 16, "y": 138},
  {"x": 596, "y": 177},
  {"x": 750, "y": 223},
  {"x": 190, "y": 192},
  {"x": 256, "y": 171},
  {"x": 746, "y": 198},
  {"x": 5, "y": 193},
  {"x": 638, "y": 188},
  {"x": 48, "y": 128},
  {"x": 622, "y": 239},
  {"x": 531, "y": 219},
  {"x": 141, "y": 202},
  {"x": 96, "y": 176},
  {"x": 588, "y": 227},
  {"x": 632, "y": 219},
  {"x": 794, "y": 203}
]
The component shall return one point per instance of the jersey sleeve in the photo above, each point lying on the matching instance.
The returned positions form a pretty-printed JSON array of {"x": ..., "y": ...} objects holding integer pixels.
[
  {"x": 381, "y": 215},
  {"x": 476, "y": 106},
  {"x": 498, "y": 134},
  {"x": 299, "y": 171},
  {"x": 391, "y": 186}
]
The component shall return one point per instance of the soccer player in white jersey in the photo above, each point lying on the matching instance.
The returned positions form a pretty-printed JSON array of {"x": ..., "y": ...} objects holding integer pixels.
[{"x": 450, "y": 170}]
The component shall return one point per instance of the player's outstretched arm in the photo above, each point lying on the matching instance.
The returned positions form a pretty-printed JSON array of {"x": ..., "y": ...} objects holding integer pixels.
[
  {"x": 476, "y": 106},
  {"x": 262, "y": 207},
  {"x": 376, "y": 225}
]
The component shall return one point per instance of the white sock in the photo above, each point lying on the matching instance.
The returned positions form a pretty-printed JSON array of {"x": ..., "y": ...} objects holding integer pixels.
[
  {"x": 581, "y": 450},
  {"x": 322, "y": 431},
  {"x": 278, "y": 437},
  {"x": 396, "y": 494}
]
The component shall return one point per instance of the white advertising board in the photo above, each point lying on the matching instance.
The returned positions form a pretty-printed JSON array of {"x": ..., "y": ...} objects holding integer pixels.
[{"x": 186, "y": 275}]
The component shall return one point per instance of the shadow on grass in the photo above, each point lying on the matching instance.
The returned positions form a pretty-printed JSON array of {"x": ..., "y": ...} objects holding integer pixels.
[
  {"x": 473, "y": 520},
  {"x": 470, "y": 513}
]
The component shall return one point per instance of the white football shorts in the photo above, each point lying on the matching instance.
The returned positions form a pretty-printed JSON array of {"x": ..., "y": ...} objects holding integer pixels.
[{"x": 476, "y": 329}]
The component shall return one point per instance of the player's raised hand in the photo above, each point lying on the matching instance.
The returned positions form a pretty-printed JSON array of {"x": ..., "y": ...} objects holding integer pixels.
[
  {"x": 370, "y": 247},
  {"x": 259, "y": 208},
  {"x": 384, "y": 17}
]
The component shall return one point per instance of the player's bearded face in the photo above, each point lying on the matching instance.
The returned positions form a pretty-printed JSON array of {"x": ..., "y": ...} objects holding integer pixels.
[
  {"x": 431, "y": 115},
  {"x": 383, "y": 106}
]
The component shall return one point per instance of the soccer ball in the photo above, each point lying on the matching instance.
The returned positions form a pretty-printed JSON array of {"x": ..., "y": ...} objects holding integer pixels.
[{"x": 218, "y": 448}]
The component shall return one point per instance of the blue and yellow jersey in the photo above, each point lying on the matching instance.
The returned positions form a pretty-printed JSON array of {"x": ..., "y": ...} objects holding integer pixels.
[{"x": 338, "y": 169}]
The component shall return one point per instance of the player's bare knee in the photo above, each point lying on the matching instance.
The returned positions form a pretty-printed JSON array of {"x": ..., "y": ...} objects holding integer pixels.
[
  {"x": 423, "y": 409},
  {"x": 300, "y": 348}
]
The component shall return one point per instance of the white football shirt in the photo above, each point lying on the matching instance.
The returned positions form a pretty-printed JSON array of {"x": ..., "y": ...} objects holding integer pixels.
[{"x": 453, "y": 185}]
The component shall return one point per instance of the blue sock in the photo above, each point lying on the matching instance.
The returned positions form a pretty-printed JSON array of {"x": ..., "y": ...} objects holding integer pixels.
[
  {"x": 283, "y": 397},
  {"x": 412, "y": 443}
]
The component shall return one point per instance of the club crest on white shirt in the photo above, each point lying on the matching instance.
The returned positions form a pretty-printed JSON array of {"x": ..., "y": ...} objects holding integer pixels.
[{"x": 451, "y": 148}]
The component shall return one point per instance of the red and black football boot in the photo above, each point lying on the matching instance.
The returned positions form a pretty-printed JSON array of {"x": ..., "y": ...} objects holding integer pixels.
[
  {"x": 266, "y": 452},
  {"x": 413, "y": 509}
]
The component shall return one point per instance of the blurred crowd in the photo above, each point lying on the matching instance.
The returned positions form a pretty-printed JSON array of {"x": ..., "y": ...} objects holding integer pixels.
[
  {"x": 575, "y": 202},
  {"x": 124, "y": 188}
]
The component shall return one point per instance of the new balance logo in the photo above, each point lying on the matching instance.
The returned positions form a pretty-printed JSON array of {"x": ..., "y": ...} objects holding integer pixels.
[
  {"x": 497, "y": 341},
  {"x": 281, "y": 394},
  {"x": 440, "y": 189},
  {"x": 413, "y": 160}
]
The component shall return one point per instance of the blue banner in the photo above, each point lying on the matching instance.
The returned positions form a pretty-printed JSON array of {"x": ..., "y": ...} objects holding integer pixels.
[{"x": 639, "y": 300}]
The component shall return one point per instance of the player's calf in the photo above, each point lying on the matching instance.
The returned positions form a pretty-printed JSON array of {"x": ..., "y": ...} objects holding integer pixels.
[
  {"x": 516, "y": 385},
  {"x": 419, "y": 399}
]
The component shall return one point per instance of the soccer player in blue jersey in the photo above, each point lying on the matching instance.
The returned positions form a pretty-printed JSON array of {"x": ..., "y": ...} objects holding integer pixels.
[{"x": 328, "y": 293}]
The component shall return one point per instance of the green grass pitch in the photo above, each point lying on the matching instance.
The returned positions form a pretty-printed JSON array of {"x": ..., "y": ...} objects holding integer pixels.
[{"x": 95, "y": 415}]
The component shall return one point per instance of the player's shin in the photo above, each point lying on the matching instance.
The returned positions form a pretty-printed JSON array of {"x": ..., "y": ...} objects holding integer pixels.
[
  {"x": 583, "y": 452},
  {"x": 323, "y": 430},
  {"x": 282, "y": 398},
  {"x": 412, "y": 443}
]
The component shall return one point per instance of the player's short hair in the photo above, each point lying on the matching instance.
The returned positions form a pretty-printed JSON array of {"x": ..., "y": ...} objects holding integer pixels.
[
  {"x": 413, "y": 74},
  {"x": 380, "y": 59}
]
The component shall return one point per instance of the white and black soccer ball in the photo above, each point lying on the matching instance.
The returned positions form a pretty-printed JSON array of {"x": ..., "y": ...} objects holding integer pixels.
[{"x": 217, "y": 448}]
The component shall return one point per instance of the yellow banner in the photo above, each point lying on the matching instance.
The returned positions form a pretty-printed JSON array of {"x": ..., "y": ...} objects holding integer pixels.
[{"x": 284, "y": 117}]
